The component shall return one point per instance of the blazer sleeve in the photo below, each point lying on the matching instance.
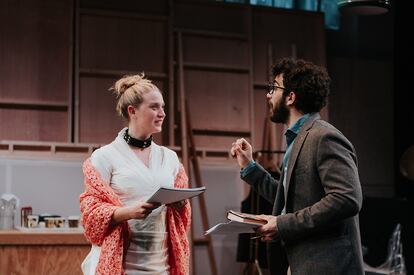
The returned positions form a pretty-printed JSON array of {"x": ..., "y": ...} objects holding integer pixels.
[
  {"x": 262, "y": 182},
  {"x": 336, "y": 164}
]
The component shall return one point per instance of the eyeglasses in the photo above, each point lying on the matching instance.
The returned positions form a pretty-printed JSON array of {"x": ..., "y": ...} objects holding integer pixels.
[{"x": 271, "y": 88}]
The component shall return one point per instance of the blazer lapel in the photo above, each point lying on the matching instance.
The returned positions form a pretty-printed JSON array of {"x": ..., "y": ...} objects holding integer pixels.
[
  {"x": 297, "y": 146},
  {"x": 280, "y": 199}
]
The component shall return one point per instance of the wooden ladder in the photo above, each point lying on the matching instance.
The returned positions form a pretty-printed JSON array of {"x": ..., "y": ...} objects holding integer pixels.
[
  {"x": 189, "y": 153},
  {"x": 206, "y": 240}
]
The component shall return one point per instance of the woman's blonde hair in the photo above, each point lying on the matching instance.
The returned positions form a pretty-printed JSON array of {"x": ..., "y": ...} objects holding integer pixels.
[{"x": 129, "y": 90}]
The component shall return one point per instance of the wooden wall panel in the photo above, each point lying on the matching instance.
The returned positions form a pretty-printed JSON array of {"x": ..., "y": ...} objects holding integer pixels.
[
  {"x": 33, "y": 125},
  {"x": 35, "y": 50},
  {"x": 153, "y": 6},
  {"x": 261, "y": 113},
  {"x": 266, "y": 52},
  {"x": 216, "y": 71},
  {"x": 218, "y": 101},
  {"x": 302, "y": 35},
  {"x": 212, "y": 143},
  {"x": 224, "y": 59},
  {"x": 98, "y": 120},
  {"x": 212, "y": 50},
  {"x": 117, "y": 43},
  {"x": 353, "y": 107},
  {"x": 211, "y": 17},
  {"x": 35, "y": 71}
]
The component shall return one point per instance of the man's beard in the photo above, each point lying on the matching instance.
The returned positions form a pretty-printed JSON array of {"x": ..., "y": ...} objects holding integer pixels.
[{"x": 280, "y": 112}]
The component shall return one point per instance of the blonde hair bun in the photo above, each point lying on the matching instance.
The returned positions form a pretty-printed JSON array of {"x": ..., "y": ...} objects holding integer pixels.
[
  {"x": 126, "y": 82},
  {"x": 129, "y": 90}
]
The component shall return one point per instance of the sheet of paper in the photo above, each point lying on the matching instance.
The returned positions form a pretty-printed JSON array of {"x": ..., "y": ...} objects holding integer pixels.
[
  {"x": 231, "y": 227},
  {"x": 166, "y": 195}
]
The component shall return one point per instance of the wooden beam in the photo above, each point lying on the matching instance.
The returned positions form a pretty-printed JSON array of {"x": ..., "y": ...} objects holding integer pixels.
[{"x": 213, "y": 34}]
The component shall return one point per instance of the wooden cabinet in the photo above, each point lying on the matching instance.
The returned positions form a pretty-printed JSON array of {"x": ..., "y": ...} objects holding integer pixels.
[{"x": 42, "y": 252}]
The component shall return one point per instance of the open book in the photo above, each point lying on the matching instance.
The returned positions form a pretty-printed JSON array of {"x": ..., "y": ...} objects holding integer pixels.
[
  {"x": 244, "y": 218},
  {"x": 238, "y": 223},
  {"x": 166, "y": 195}
]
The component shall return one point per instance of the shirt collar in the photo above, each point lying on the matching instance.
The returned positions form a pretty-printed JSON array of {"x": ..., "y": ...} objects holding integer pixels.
[{"x": 293, "y": 131}]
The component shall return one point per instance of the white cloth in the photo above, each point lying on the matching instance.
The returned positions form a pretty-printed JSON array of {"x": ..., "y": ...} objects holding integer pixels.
[
  {"x": 89, "y": 264},
  {"x": 133, "y": 181}
]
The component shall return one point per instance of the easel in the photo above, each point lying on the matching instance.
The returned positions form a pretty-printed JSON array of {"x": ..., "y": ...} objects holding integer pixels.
[
  {"x": 189, "y": 153},
  {"x": 267, "y": 158}
]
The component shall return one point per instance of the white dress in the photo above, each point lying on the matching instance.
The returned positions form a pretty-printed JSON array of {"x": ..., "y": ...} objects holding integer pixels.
[{"x": 133, "y": 181}]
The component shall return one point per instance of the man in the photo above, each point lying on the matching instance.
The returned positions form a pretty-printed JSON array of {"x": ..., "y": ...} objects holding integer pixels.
[{"x": 318, "y": 195}]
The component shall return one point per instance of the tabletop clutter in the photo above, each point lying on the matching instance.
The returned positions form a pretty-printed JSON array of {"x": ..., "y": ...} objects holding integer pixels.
[
  {"x": 30, "y": 220},
  {"x": 8, "y": 205}
]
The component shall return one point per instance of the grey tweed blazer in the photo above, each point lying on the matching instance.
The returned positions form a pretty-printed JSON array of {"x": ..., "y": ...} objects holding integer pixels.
[{"x": 320, "y": 231}]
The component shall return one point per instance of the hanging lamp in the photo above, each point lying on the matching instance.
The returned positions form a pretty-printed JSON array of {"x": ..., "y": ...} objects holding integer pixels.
[{"x": 364, "y": 7}]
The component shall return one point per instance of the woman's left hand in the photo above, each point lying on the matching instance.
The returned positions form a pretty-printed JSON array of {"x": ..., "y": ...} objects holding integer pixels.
[{"x": 178, "y": 205}]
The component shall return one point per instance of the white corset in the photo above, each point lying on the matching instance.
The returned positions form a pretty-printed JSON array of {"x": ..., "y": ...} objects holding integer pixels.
[{"x": 148, "y": 251}]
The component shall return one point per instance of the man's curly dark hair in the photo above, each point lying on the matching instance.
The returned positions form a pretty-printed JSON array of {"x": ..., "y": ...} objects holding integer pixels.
[{"x": 309, "y": 82}]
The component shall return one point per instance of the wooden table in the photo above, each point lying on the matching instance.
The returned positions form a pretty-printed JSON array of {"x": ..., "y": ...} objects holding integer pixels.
[{"x": 42, "y": 252}]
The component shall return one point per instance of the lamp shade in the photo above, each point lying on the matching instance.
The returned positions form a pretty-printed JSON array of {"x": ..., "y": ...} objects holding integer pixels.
[{"x": 364, "y": 7}]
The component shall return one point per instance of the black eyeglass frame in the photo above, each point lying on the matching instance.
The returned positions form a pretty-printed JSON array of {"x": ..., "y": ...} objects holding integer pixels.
[{"x": 271, "y": 88}]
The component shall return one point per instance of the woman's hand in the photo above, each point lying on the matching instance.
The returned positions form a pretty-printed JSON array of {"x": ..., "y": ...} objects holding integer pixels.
[
  {"x": 139, "y": 210},
  {"x": 178, "y": 205},
  {"x": 142, "y": 209}
]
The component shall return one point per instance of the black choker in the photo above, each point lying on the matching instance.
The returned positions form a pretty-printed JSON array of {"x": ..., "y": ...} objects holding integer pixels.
[{"x": 136, "y": 142}]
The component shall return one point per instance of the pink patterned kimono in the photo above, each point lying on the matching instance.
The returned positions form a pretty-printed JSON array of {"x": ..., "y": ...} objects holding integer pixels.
[{"x": 98, "y": 203}]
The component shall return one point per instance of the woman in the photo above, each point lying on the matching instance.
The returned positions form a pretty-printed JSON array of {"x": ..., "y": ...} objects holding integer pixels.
[{"x": 128, "y": 235}]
